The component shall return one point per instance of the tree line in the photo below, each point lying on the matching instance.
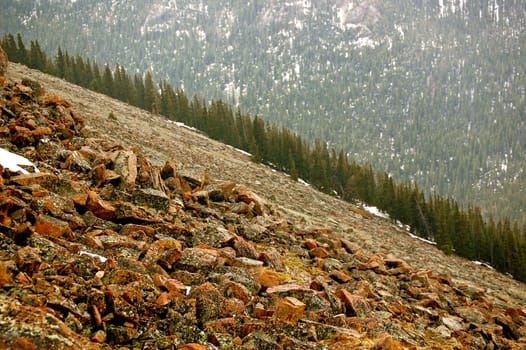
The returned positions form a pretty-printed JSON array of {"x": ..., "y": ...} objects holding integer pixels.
[{"x": 456, "y": 230}]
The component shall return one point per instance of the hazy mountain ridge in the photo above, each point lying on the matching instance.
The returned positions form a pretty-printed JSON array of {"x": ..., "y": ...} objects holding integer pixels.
[{"x": 430, "y": 90}]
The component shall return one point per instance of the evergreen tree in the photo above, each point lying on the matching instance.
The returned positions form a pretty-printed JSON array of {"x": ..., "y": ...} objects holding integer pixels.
[
  {"x": 22, "y": 54},
  {"x": 255, "y": 151},
  {"x": 107, "y": 82},
  {"x": 341, "y": 174},
  {"x": 60, "y": 63},
  {"x": 151, "y": 96},
  {"x": 123, "y": 86},
  {"x": 260, "y": 137},
  {"x": 182, "y": 108},
  {"x": 37, "y": 59},
  {"x": 319, "y": 171},
  {"x": 138, "y": 84},
  {"x": 10, "y": 48},
  {"x": 168, "y": 100},
  {"x": 198, "y": 114},
  {"x": 293, "y": 172},
  {"x": 442, "y": 234},
  {"x": 78, "y": 71},
  {"x": 96, "y": 81}
]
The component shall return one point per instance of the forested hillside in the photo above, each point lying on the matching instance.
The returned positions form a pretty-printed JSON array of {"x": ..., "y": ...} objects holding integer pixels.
[
  {"x": 500, "y": 243},
  {"x": 432, "y": 91}
]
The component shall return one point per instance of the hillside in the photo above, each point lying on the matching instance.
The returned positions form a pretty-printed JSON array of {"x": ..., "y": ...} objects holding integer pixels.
[
  {"x": 249, "y": 259},
  {"x": 425, "y": 90}
]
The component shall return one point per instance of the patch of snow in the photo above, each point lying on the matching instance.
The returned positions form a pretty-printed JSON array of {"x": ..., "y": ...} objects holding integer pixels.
[
  {"x": 243, "y": 152},
  {"x": 303, "y": 182},
  {"x": 182, "y": 125},
  {"x": 101, "y": 258},
  {"x": 201, "y": 34},
  {"x": 13, "y": 162},
  {"x": 365, "y": 41},
  {"x": 403, "y": 226},
  {"x": 297, "y": 69},
  {"x": 480, "y": 263},
  {"x": 375, "y": 211},
  {"x": 400, "y": 31},
  {"x": 342, "y": 14},
  {"x": 421, "y": 239},
  {"x": 233, "y": 92},
  {"x": 442, "y": 8}
]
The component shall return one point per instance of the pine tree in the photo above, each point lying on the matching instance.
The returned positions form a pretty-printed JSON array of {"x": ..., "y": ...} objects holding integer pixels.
[
  {"x": 107, "y": 82},
  {"x": 78, "y": 71},
  {"x": 22, "y": 54},
  {"x": 293, "y": 172},
  {"x": 96, "y": 82},
  {"x": 151, "y": 96},
  {"x": 255, "y": 151},
  {"x": 260, "y": 137},
  {"x": 37, "y": 58},
  {"x": 123, "y": 86},
  {"x": 341, "y": 174},
  {"x": 10, "y": 48},
  {"x": 319, "y": 171},
  {"x": 138, "y": 85},
  {"x": 168, "y": 100},
  {"x": 198, "y": 114},
  {"x": 442, "y": 237},
  {"x": 182, "y": 108},
  {"x": 60, "y": 63}
]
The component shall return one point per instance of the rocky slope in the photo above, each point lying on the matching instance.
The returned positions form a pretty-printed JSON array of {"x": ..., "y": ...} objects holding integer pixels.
[{"x": 140, "y": 233}]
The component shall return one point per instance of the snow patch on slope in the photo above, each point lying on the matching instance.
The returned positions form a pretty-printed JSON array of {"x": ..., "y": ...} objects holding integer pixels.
[
  {"x": 375, "y": 211},
  {"x": 14, "y": 162}
]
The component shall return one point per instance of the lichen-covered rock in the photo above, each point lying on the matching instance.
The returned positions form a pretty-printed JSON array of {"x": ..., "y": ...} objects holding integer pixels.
[
  {"x": 28, "y": 259},
  {"x": 267, "y": 278},
  {"x": 50, "y": 226},
  {"x": 125, "y": 164},
  {"x": 210, "y": 302},
  {"x": 152, "y": 198},
  {"x": 244, "y": 248},
  {"x": 355, "y": 304},
  {"x": 289, "y": 310},
  {"x": 258, "y": 205},
  {"x": 36, "y": 327},
  {"x": 164, "y": 252},
  {"x": 99, "y": 207}
]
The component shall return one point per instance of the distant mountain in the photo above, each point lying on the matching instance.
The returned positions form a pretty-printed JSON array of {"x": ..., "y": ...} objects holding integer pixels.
[{"x": 427, "y": 90}]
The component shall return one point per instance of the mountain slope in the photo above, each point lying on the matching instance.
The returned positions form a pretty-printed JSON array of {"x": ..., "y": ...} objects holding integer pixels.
[
  {"x": 425, "y": 90},
  {"x": 430, "y": 91},
  {"x": 404, "y": 285}
]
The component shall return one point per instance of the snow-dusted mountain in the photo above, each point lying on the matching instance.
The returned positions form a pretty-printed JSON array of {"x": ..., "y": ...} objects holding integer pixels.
[{"x": 431, "y": 90}]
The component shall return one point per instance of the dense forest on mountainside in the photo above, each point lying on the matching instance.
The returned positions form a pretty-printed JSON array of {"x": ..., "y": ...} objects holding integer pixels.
[
  {"x": 430, "y": 91},
  {"x": 463, "y": 232}
]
